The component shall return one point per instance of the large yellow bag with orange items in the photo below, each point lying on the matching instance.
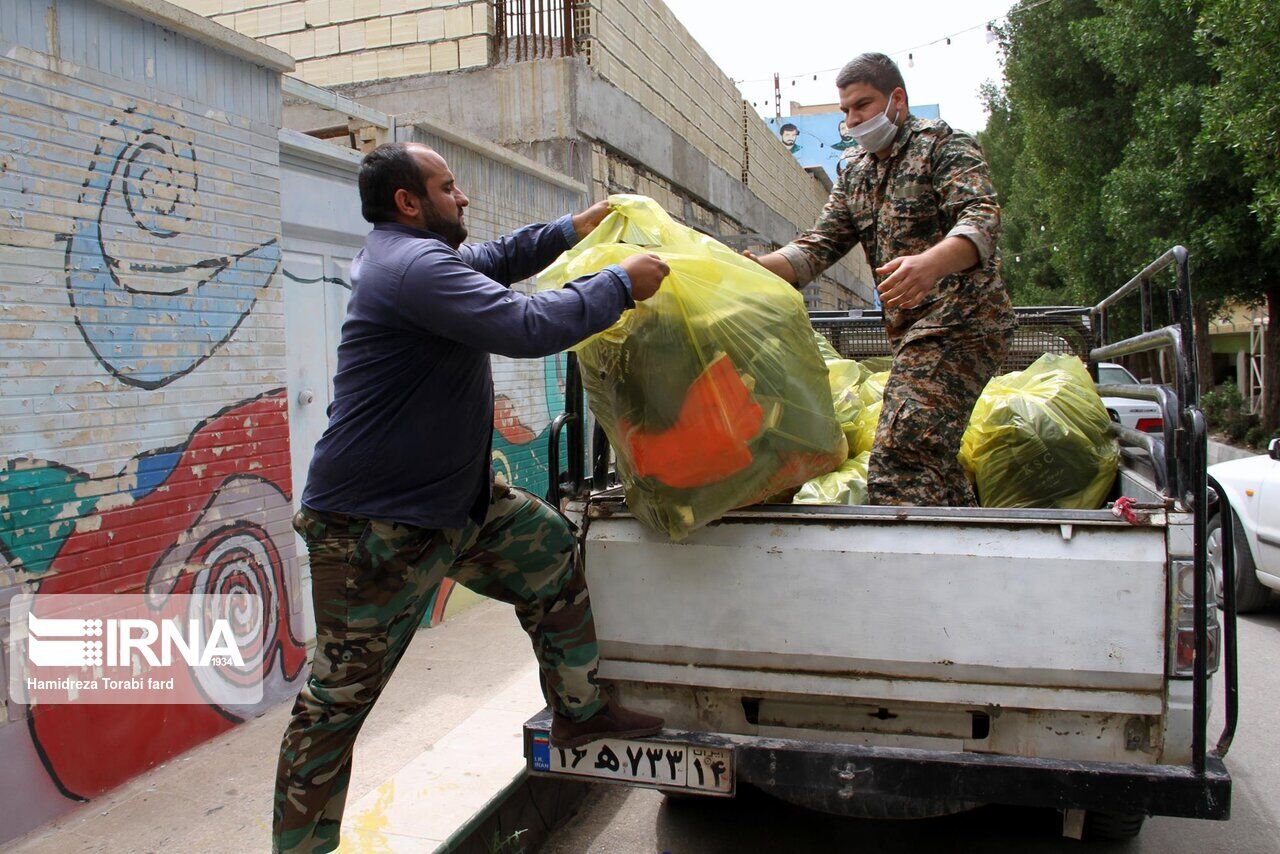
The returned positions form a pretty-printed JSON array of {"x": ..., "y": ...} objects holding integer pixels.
[
  {"x": 712, "y": 392},
  {"x": 1041, "y": 437}
]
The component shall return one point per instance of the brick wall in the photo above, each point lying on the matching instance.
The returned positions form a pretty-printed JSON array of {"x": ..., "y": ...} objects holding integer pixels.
[
  {"x": 613, "y": 173},
  {"x": 350, "y": 41},
  {"x": 637, "y": 45},
  {"x": 144, "y": 441},
  {"x": 642, "y": 48}
]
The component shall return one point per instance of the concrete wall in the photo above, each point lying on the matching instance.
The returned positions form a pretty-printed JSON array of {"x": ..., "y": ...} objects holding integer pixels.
[
  {"x": 142, "y": 360},
  {"x": 562, "y": 113},
  {"x": 1222, "y": 453},
  {"x": 642, "y": 48},
  {"x": 669, "y": 104},
  {"x": 346, "y": 41}
]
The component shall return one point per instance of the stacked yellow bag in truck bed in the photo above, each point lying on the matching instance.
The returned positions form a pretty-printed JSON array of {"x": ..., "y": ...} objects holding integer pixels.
[
  {"x": 1037, "y": 438},
  {"x": 1042, "y": 438},
  {"x": 846, "y": 485},
  {"x": 857, "y": 392}
]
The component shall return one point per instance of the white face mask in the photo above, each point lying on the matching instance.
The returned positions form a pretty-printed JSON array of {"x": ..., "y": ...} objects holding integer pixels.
[{"x": 876, "y": 132}]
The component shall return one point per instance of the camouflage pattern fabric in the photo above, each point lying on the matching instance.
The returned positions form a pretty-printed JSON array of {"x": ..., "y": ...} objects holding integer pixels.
[
  {"x": 933, "y": 386},
  {"x": 934, "y": 184},
  {"x": 371, "y": 584}
]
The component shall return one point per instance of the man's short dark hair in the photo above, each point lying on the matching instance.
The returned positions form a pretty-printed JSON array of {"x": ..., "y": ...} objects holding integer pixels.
[
  {"x": 788, "y": 127},
  {"x": 387, "y": 168},
  {"x": 876, "y": 70}
]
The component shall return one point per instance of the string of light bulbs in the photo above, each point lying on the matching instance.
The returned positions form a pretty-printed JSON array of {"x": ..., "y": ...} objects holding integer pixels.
[{"x": 909, "y": 52}]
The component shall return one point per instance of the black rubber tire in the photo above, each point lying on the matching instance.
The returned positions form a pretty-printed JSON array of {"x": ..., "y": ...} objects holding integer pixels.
[
  {"x": 1112, "y": 826},
  {"x": 1251, "y": 594}
]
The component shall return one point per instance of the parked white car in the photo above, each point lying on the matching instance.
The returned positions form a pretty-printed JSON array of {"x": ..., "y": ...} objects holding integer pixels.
[
  {"x": 1251, "y": 486},
  {"x": 1141, "y": 415}
]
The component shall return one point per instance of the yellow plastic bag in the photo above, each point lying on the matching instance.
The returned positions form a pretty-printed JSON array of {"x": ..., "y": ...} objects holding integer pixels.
[
  {"x": 872, "y": 388},
  {"x": 712, "y": 392},
  {"x": 861, "y": 433},
  {"x": 845, "y": 377},
  {"x": 846, "y": 485},
  {"x": 856, "y": 393},
  {"x": 1041, "y": 438}
]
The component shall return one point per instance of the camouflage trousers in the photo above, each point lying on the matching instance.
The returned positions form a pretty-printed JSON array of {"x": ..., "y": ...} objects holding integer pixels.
[
  {"x": 371, "y": 585},
  {"x": 928, "y": 400}
]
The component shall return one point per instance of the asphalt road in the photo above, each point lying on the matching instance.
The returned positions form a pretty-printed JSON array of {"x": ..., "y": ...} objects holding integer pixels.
[{"x": 619, "y": 819}]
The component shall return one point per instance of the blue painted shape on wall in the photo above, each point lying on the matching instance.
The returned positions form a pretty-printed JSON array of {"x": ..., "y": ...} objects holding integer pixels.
[
  {"x": 153, "y": 470},
  {"x": 148, "y": 323}
]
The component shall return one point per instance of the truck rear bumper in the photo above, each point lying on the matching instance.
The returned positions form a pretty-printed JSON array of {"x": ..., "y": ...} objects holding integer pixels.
[{"x": 827, "y": 775}]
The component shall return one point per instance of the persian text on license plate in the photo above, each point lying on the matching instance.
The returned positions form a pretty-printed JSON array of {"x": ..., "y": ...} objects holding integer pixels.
[{"x": 650, "y": 763}]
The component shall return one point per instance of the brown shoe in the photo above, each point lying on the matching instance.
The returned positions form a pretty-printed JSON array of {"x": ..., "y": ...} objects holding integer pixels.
[{"x": 613, "y": 721}]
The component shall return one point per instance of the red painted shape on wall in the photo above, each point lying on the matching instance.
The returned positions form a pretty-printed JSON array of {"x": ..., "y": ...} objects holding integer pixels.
[
  {"x": 506, "y": 420},
  {"x": 232, "y": 471}
]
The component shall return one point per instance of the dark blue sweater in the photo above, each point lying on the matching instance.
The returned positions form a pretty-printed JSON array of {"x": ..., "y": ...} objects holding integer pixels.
[{"x": 411, "y": 423}]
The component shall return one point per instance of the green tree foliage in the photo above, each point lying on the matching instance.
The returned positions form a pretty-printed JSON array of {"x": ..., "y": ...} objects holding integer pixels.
[
  {"x": 1028, "y": 250},
  {"x": 1126, "y": 126},
  {"x": 1241, "y": 38},
  {"x": 1072, "y": 119},
  {"x": 1175, "y": 183}
]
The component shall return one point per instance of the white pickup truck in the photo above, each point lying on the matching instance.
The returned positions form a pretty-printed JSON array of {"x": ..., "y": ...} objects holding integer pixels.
[{"x": 904, "y": 662}]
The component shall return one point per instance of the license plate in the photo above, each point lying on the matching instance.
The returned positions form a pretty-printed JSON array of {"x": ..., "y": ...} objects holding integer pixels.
[{"x": 646, "y": 763}]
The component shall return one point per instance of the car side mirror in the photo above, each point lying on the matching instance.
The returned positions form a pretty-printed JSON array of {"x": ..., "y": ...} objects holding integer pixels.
[{"x": 1273, "y": 450}]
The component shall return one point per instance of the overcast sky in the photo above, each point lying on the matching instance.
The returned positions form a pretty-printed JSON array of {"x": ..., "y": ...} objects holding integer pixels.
[{"x": 797, "y": 36}]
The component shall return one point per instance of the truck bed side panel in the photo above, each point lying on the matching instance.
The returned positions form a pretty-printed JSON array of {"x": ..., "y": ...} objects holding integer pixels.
[{"x": 1036, "y": 615}]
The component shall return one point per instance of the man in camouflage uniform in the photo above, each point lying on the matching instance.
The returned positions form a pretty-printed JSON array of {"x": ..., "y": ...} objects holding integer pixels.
[
  {"x": 918, "y": 198},
  {"x": 401, "y": 493}
]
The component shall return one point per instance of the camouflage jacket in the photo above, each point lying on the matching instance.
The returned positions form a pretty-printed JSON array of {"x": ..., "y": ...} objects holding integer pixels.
[{"x": 934, "y": 184}]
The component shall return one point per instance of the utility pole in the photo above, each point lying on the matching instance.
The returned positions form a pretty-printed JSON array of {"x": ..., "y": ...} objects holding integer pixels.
[{"x": 777, "y": 96}]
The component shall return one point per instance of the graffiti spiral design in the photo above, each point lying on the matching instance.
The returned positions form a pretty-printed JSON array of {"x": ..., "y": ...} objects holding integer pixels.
[
  {"x": 231, "y": 564},
  {"x": 238, "y": 565},
  {"x": 157, "y": 189},
  {"x": 149, "y": 322}
]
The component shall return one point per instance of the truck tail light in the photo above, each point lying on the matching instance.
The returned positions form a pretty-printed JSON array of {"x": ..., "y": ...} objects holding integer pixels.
[
  {"x": 1150, "y": 425},
  {"x": 1183, "y": 653},
  {"x": 1184, "y": 662}
]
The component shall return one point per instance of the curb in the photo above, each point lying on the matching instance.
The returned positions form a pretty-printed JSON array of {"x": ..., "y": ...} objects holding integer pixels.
[{"x": 519, "y": 817}]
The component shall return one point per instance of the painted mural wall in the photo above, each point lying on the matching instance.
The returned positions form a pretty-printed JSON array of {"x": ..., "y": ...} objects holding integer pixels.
[
  {"x": 150, "y": 401},
  {"x": 145, "y": 442},
  {"x": 824, "y": 139}
]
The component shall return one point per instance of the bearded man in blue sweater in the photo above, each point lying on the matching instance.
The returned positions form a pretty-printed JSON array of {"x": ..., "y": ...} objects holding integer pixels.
[{"x": 401, "y": 491}]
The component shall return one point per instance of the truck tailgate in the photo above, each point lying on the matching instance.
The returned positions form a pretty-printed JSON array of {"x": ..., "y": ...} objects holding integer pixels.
[{"x": 1014, "y": 613}]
